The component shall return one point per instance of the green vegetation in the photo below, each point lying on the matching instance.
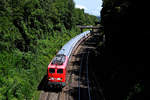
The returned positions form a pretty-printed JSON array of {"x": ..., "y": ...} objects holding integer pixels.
[
  {"x": 31, "y": 33},
  {"x": 124, "y": 72}
]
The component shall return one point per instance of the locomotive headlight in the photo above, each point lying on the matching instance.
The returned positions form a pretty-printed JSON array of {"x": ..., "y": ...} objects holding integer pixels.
[
  {"x": 51, "y": 78},
  {"x": 59, "y": 79}
]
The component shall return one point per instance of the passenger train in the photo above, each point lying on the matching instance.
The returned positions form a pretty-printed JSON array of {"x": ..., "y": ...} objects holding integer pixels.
[{"x": 58, "y": 66}]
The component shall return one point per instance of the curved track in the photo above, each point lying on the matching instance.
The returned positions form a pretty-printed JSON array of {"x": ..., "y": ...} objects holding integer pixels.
[
  {"x": 83, "y": 83},
  {"x": 77, "y": 82}
]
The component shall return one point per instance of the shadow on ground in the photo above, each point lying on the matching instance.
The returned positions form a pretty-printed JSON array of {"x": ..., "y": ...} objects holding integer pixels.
[{"x": 43, "y": 86}]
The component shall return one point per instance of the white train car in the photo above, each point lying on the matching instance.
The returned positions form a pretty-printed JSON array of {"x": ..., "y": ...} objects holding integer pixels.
[
  {"x": 57, "y": 67},
  {"x": 69, "y": 46}
]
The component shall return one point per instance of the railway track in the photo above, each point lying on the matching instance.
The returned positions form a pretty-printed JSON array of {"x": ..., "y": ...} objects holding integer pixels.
[
  {"x": 77, "y": 82},
  {"x": 84, "y": 93}
]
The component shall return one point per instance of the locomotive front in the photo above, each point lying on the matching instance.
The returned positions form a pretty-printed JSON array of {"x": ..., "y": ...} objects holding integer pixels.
[
  {"x": 57, "y": 71},
  {"x": 57, "y": 67}
]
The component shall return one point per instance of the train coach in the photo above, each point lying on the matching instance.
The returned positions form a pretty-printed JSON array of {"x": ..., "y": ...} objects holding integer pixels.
[{"x": 58, "y": 66}]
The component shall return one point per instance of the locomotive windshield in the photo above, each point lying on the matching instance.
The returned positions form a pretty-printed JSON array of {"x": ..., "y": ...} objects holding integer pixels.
[
  {"x": 51, "y": 70},
  {"x": 60, "y": 71},
  {"x": 59, "y": 59}
]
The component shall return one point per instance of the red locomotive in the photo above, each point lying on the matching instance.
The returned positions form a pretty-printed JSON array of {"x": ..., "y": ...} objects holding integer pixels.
[
  {"x": 57, "y": 67},
  {"x": 57, "y": 71}
]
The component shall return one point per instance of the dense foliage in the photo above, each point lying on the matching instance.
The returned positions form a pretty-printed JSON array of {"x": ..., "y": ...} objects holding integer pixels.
[
  {"x": 31, "y": 32},
  {"x": 124, "y": 64}
]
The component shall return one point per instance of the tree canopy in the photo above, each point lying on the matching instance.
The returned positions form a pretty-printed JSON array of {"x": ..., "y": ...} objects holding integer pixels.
[{"x": 31, "y": 32}]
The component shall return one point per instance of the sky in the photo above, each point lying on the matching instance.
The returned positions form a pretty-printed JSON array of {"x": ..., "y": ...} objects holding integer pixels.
[{"x": 90, "y": 6}]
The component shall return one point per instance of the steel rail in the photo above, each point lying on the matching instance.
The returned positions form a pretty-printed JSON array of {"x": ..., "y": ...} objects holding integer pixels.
[
  {"x": 80, "y": 75},
  {"x": 88, "y": 76},
  {"x": 87, "y": 79}
]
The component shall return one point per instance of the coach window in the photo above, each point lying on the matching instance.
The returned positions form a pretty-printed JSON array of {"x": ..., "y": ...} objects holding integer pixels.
[
  {"x": 51, "y": 70},
  {"x": 60, "y": 71}
]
